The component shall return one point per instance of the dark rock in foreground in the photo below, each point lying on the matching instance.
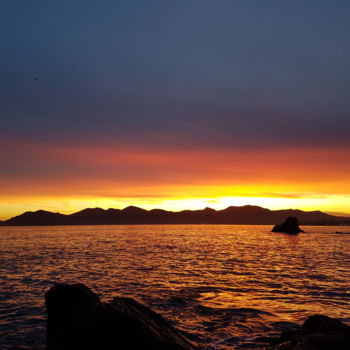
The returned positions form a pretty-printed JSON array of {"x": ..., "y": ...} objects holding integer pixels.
[
  {"x": 290, "y": 226},
  {"x": 78, "y": 320},
  {"x": 317, "y": 333}
]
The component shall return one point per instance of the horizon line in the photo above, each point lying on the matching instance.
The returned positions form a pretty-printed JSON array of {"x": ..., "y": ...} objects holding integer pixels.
[{"x": 179, "y": 211}]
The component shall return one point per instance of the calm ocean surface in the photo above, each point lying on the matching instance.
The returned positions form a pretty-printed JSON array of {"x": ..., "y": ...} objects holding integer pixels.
[{"x": 226, "y": 287}]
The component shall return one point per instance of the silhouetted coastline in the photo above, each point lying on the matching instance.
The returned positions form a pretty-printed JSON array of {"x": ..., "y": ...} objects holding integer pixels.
[{"x": 245, "y": 215}]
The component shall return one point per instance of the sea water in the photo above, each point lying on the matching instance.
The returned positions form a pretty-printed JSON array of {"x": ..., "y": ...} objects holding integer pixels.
[{"x": 225, "y": 287}]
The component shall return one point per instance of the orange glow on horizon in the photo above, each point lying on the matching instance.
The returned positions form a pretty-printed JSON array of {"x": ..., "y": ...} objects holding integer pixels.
[
  {"x": 67, "y": 205},
  {"x": 68, "y": 179}
]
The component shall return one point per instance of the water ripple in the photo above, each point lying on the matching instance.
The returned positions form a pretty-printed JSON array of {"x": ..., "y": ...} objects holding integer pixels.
[{"x": 225, "y": 287}]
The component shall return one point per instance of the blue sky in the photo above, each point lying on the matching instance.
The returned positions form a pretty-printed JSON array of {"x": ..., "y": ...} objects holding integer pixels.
[
  {"x": 174, "y": 76},
  {"x": 192, "y": 69}
]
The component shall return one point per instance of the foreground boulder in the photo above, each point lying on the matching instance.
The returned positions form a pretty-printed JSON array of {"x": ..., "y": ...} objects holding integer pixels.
[
  {"x": 317, "y": 333},
  {"x": 78, "y": 320},
  {"x": 290, "y": 226}
]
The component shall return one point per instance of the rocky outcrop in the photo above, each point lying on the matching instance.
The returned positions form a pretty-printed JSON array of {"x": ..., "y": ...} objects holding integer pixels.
[
  {"x": 290, "y": 226},
  {"x": 317, "y": 333},
  {"x": 78, "y": 320}
]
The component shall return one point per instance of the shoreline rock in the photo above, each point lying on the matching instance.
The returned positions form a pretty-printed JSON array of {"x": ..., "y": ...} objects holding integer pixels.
[
  {"x": 318, "y": 332},
  {"x": 78, "y": 320},
  {"x": 290, "y": 226}
]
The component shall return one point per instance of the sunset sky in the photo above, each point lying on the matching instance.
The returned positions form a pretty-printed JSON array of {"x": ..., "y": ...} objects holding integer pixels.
[{"x": 174, "y": 104}]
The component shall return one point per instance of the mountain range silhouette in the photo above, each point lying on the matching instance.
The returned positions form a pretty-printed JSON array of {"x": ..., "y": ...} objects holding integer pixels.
[{"x": 244, "y": 215}]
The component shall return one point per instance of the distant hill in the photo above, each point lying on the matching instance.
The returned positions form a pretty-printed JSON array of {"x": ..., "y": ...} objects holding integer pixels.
[
  {"x": 339, "y": 214},
  {"x": 246, "y": 215}
]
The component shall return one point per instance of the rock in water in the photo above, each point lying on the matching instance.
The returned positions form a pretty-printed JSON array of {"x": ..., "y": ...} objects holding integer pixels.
[
  {"x": 78, "y": 320},
  {"x": 289, "y": 226},
  {"x": 317, "y": 333}
]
